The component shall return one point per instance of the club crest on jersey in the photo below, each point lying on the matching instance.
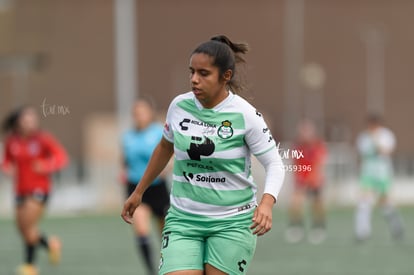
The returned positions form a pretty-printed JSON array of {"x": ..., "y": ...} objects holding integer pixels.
[{"x": 225, "y": 131}]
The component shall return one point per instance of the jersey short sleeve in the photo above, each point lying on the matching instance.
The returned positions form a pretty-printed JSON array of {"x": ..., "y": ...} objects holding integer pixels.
[
  {"x": 386, "y": 140},
  {"x": 258, "y": 136},
  {"x": 168, "y": 132},
  {"x": 7, "y": 156}
]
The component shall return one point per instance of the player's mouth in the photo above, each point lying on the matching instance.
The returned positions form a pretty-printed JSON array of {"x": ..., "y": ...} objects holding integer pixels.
[{"x": 197, "y": 91}]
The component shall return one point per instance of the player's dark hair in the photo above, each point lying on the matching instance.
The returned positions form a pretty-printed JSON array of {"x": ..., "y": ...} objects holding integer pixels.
[
  {"x": 149, "y": 100},
  {"x": 374, "y": 118},
  {"x": 226, "y": 55},
  {"x": 11, "y": 121}
]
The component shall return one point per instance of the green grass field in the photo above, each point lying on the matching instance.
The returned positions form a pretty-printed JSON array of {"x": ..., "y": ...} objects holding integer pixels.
[{"x": 104, "y": 245}]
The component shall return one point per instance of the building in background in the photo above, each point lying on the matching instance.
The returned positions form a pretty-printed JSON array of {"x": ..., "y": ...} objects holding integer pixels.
[{"x": 331, "y": 60}]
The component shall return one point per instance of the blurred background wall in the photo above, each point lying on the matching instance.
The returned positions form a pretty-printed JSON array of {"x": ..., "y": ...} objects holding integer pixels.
[{"x": 334, "y": 61}]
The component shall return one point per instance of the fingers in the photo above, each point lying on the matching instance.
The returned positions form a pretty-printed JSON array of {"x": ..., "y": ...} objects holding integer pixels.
[
  {"x": 126, "y": 216},
  {"x": 261, "y": 223},
  {"x": 127, "y": 213},
  {"x": 129, "y": 207}
]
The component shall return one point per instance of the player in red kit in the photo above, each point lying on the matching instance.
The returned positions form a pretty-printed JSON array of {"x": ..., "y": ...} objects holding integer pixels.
[
  {"x": 309, "y": 177},
  {"x": 31, "y": 155}
]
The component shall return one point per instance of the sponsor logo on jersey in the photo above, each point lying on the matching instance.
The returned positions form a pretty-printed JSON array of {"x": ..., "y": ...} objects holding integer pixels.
[
  {"x": 186, "y": 122},
  {"x": 210, "y": 179},
  {"x": 245, "y": 207},
  {"x": 267, "y": 130},
  {"x": 200, "y": 166},
  {"x": 188, "y": 176},
  {"x": 183, "y": 126},
  {"x": 201, "y": 178},
  {"x": 225, "y": 131},
  {"x": 200, "y": 146}
]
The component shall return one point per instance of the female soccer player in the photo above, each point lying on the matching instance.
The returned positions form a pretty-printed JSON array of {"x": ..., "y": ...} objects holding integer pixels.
[
  {"x": 375, "y": 145},
  {"x": 309, "y": 179},
  {"x": 137, "y": 147},
  {"x": 31, "y": 155},
  {"x": 213, "y": 222}
]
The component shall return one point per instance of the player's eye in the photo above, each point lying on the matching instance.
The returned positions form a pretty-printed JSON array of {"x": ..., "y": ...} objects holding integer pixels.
[
  {"x": 191, "y": 72},
  {"x": 204, "y": 73}
]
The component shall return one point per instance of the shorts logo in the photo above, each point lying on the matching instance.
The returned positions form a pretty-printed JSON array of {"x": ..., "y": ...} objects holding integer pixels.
[
  {"x": 225, "y": 131},
  {"x": 161, "y": 262},
  {"x": 201, "y": 148},
  {"x": 242, "y": 264},
  {"x": 166, "y": 239}
]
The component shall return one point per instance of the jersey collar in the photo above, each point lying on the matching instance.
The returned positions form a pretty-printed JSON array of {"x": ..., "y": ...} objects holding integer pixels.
[{"x": 218, "y": 106}]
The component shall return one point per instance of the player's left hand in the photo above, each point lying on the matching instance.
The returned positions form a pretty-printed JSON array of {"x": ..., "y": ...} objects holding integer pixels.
[
  {"x": 262, "y": 217},
  {"x": 130, "y": 205}
]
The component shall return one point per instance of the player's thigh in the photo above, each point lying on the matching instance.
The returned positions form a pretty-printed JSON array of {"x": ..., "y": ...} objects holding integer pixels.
[
  {"x": 186, "y": 272},
  {"x": 298, "y": 196},
  {"x": 383, "y": 200},
  {"x": 181, "y": 253},
  {"x": 231, "y": 250},
  {"x": 142, "y": 219},
  {"x": 29, "y": 212},
  {"x": 211, "y": 270}
]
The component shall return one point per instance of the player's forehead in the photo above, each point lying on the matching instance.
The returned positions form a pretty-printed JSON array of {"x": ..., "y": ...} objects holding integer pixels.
[{"x": 199, "y": 61}]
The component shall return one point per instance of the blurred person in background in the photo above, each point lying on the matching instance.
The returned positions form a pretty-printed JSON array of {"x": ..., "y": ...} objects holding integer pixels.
[
  {"x": 31, "y": 155},
  {"x": 375, "y": 145},
  {"x": 212, "y": 225},
  {"x": 308, "y": 168},
  {"x": 138, "y": 145}
]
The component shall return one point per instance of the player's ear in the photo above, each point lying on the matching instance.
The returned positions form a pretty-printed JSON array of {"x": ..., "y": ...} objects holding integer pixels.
[{"x": 227, "y": 75}]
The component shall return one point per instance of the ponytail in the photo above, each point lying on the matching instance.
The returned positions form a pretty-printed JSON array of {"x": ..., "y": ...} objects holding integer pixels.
[
  {"x": 12, "y": 119},
  {"x": 11, "y": 122},
  {"x": 237, "y": 48}
]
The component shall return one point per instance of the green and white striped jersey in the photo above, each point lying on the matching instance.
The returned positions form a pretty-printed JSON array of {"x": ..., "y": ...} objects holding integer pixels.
[
  {"x": 374, "y": 164},
  {"x": 212, "y": 169}
]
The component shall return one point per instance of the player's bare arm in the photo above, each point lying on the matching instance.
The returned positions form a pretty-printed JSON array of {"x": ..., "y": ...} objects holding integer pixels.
[{"x": 159, "y": 159}]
